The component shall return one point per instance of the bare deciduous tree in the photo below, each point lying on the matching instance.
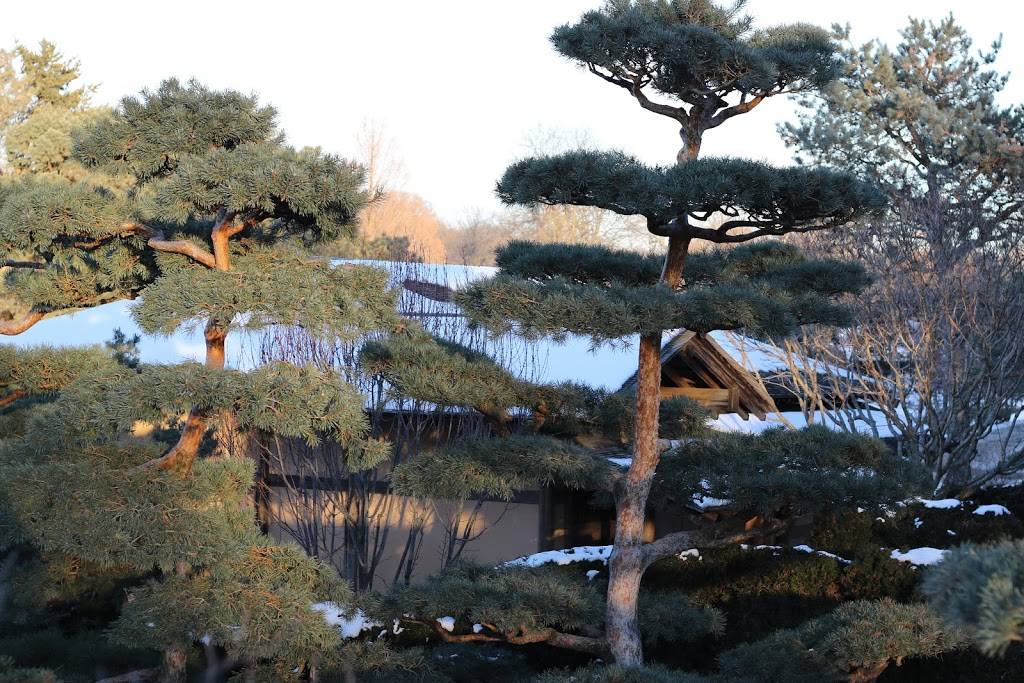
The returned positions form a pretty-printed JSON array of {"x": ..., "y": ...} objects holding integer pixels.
[
  {"x": 349, "y": 518},
  {"x": 937, "y": 348},
  {"x": 395, "y": 212}
]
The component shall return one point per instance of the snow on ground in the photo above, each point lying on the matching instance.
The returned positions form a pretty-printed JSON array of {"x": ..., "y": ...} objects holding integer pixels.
[
  {"x": 447, "y": 623},
  {"x": 825, "y": 553},
  {"x": 940, "y": 504},
  {"x": 731, "y": 422},
  {"x": 919, "y": 556},
  {"x": 799, "y": 548},
  {"x": 601, "y": 553},
  {"x": 583, "y": 553},
  {"x": 993, "y": 509},
  {"x": 350, "y": 626}
]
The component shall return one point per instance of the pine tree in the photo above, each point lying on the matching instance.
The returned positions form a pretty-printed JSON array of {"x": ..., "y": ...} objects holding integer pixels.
[
  {"x": 214, "y": 229},
  {"x": 922, "y": 120},
  {"x": 708, "y": 66},
  {"x": 39, "y": 107},
  {"x": 697, "y": 56}
]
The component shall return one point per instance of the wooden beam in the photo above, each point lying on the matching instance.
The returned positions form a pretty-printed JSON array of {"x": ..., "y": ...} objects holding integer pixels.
[
  {"x": 675, "y": 376},
  {"x": 709, "y": 398}
]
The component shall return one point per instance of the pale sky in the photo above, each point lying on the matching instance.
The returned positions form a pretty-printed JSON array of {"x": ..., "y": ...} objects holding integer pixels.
[{"x": 458, "y": 84}]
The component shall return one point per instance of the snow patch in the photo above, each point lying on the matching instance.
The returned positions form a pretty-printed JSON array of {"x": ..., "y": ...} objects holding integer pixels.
[
  {"x": 591, "y": 573},
  {"x": 447, "y": 623},
  {"x": 995, "y": 509},
  {"x": 919, "y": 556},
  {"x": 621, "y": 462},
  {"x": 823, "y": 553},
  {"x": 799, "y": 548},
  {"x": 941, "y": 504},
  {"x": 478, "y": 628},
  {"x": 583, "y": 553},
  {"x": 350, "y": 626},
  {"x": 687, "y": 554},
  {"x": 705, "y": 501}
]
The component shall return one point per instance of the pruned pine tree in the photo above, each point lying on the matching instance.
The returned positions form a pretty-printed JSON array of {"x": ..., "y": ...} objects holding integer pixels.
[
  {"x": 213, "y": 231},
  {"x": 212, "y": 228},
  {"x": 707, "y": 66},
  {"x": 545, "y": 434}
]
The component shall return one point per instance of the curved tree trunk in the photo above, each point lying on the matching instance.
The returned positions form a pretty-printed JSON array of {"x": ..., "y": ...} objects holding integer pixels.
[
  {"x": 628, "y": 560},
  {"x": 181, "y": 456}
]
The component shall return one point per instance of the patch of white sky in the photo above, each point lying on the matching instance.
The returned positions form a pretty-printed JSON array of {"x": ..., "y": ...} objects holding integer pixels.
[{"x": 458, "y": 84}]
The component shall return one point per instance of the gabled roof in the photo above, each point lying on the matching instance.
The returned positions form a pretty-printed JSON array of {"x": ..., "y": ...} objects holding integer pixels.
[{"x": 695, "y": 365}]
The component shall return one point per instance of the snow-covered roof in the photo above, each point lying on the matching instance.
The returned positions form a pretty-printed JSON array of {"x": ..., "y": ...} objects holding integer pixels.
[
  {"x": 544, "y": 361},
  {"x": 606, "y": 366}
]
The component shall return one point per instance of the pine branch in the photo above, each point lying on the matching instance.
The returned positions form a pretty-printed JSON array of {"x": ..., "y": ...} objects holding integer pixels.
[
  {"x": 11, "y": 263},
  {"x": 11, "y": 398},
  {"x": 13, "y": 327},
  {"x": 675, "y": 543},
  {"x": 742, "y": 108},
  {"x": 227, "y": 227},
  {"x": 548, "y": 636},
  {"x": 721, "y": 234},
  {"x": 159, "y": 242},
  {"x": 136, "y": 676}
]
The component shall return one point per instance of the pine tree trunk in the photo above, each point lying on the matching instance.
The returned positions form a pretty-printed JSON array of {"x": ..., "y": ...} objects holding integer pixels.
[
  {"x": 627, "y": 563},
  {"x": 174, "y": 665},
  {"x": 181, "y": 456}
]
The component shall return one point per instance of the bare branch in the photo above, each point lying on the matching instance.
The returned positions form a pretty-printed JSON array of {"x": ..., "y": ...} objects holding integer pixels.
[{"x": 674, "y": 543}]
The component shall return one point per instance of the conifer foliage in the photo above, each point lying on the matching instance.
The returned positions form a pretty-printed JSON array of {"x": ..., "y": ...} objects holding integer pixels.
[
  {"x": 980, "y": 588},
  {"x": 195, "y": 203},
  {"x": 701, "y": 65}
]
